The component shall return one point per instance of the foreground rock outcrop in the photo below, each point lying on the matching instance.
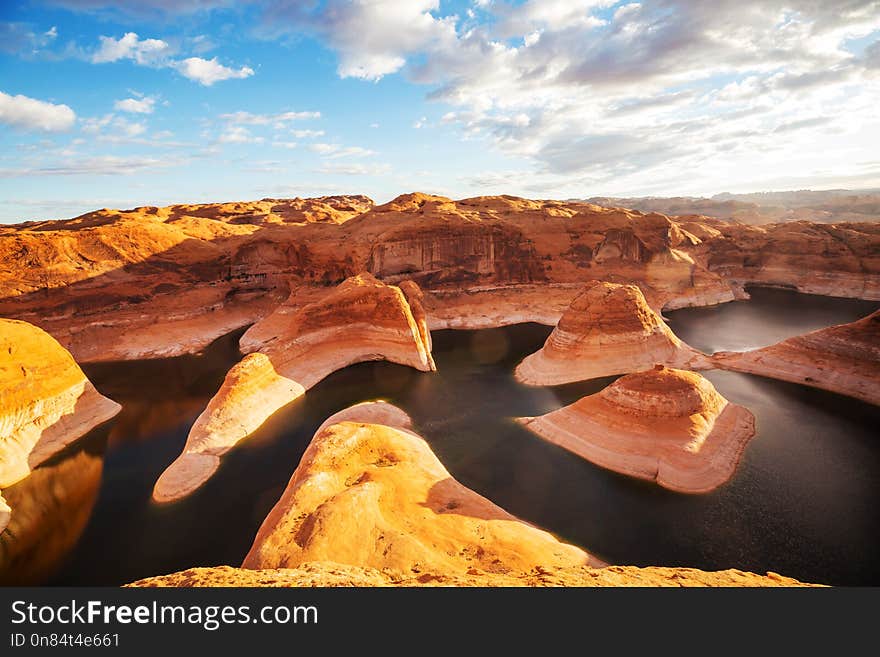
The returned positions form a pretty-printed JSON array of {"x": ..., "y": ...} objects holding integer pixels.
[
  {"x": 375, "y": 496},
  {"x": 664, "y": 425},
  {"x": 608, "y": 329},
  {"x": 334, "y": 574},
  {"x": 844, "y": 359},
  {"x": 46, "y": 402},
  {"x": 362, "y": 319}
]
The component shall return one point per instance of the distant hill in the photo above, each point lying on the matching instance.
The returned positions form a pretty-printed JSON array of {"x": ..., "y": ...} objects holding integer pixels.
[{"x": 827, "y": 206}]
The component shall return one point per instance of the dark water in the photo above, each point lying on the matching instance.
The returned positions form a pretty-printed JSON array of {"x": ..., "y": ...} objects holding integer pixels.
[
  {"x": 802, "y": 503},
  {"x": 771, "y": 315}
]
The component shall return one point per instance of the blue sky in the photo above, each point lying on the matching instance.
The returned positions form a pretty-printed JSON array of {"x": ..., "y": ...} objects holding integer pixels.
[{"x": 120, "y": 103}]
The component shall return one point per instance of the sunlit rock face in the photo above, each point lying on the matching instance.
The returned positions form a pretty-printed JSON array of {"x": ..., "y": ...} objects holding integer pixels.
[
  {"x": 664, "y": 425},
  {"x": 374, "y": 495},
  {"x": 608, "y": 329},
  {"x": 362, "y": 319},
  {"x": 844, "y": 359},
  {"x": 46, "y": 402},
  {"x": 326, "y": 574},
  {"x": 155, "y": 282}
]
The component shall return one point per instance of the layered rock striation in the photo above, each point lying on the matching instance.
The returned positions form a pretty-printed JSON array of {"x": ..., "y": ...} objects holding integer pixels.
[
  {"x": 608, "y": 329},
  {"x": 46, "y": 402},
  {"x": 362, "y": 319},
  {"x": 154, "y": 282},
  {"x": 844, "y": 359},
  {"x": 664, "y": 425},
  {"x": 371, "y": 495}
]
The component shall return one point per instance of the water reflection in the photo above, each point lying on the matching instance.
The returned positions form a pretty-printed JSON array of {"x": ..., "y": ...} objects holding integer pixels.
[
  {"x": 802, "y": 502},
  {"x": 50, "y": 509}
]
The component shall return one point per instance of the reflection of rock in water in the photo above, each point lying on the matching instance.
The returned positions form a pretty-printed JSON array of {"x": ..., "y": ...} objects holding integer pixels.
[{"x": 52, "y": 507}]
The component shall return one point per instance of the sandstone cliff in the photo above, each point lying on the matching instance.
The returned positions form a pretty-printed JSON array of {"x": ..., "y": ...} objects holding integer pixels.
[
  {"x": 375, "y": 496},
  {"x": 844, "y": 359},
  {"x": 608, "y": 329},
  {"x": 362, "y": 319},
  {"x": 46, "y": 402},
  {"x": 664, "y": 425},
  {"x": 152, "y": 282}
]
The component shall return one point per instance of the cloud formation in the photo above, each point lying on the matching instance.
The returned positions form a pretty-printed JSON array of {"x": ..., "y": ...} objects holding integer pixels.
[
  {"x": 143, "y": 105},
  {"x": 159, "y": 54},
  {"x": 596, "y": 90},
  {"x": 27, "y": 113},
  {"x": 208, "y": 71}
]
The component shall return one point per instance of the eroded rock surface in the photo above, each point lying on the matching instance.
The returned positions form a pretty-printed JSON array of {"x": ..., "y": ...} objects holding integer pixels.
[
  {"x": 664, "y": 425},
  {"x": 362, "y": 319},
  {"x": 608, "y": 329},
  {"x": 375, "y": 496},
  {"x": 156, "y": 282},
  {"x": 334, "y": 574},
  {"x": 46, "y": 402}
]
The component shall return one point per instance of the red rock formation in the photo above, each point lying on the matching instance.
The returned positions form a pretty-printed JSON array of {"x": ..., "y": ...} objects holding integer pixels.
[
  {"x": 665, "y": 425},
  {"x": 844, "y": 359},
  {"x": 832, "y": 259},
  {"x": 153, "y": 282},
  {"x": 608, "y": 329},
  {"x": 46, "y": 402},
  {"x": 375, "y": 496},
  {"x": 362, "y": 319}
]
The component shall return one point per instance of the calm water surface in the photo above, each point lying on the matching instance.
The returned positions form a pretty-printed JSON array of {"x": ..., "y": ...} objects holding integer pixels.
[{"x": 803, "y": 501}]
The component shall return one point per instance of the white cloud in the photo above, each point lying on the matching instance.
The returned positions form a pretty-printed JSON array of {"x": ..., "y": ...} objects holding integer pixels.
[
  {"x": 247, "y": 118},
  {"x": 641, "y": 94},
  {"x": 114, "y": 129},
  {"x": 208, "y": 71},
  {"x": 372, "y": 38},
  {"x": 421, "y": 123},
  {"x": 27, "y": 113},
  {"x": 334, "y": 151},
  {"x": 236, "y": 134},
  {"x": 285, "y": 144},
  {"x": 143, "y": 105},
  {"x": 307, "y": 134},
  {"x": 131, "y": 46},
  {"x": 159, "y": 54}
]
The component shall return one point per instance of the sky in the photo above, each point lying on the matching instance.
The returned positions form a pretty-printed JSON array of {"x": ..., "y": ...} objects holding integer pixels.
[{"x": 151, "y": 102}]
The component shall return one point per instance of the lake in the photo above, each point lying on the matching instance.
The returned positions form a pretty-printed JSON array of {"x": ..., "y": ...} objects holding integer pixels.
[{"x": 802, "y": 503}]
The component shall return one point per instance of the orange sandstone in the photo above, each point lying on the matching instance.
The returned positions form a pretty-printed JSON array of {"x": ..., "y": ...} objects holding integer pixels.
[
  {"x": 327, "y": 574},
  {"x": 665, "y": 425},
  {"x": 46, "y": 402},
  {"x": 362, "y": 319},
  {"x": 608, "y": 329},
  {"x": 375, "y": 496}
]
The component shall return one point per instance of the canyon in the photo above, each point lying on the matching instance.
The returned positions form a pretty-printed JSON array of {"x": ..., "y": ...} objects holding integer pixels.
[
  {"x": 156, "y": 282},
  {"x": 316, "y": 285},
  {"x": 370, "y": 505},
  {"x": 362, "y": 319}
]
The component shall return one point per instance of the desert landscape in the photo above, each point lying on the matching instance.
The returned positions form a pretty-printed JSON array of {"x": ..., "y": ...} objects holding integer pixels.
[
  {"x": 437, "y": 293},
  {"x": 299, "y": 291}
]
